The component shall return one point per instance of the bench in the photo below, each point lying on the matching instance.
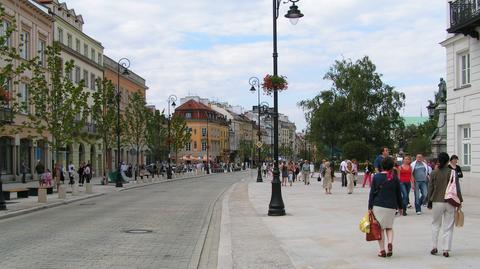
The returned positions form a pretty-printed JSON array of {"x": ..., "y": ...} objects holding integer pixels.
[
  {"x": 21, "y": 193},
  {"x": 33, "y": 191}
]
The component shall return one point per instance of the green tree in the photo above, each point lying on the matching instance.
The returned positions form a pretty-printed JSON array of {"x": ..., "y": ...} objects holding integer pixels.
[
  {"x": 59, "y": 106},
  {"x": 157, "y": 135},
  {"x": 135, "y": 124},
  {"x": 104, "y": 114},
  {"x": 417, "y": 139},
  {"x": 358, "y": 106},
  {"x": 180, "y": 134},
  {"x": 245, "y": 149},
  {"x": 12, "y": 67},
  {"x": 286, "y": 150}
]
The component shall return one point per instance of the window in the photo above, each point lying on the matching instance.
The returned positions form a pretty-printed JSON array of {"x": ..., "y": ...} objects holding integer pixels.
[
  {"x": 188, "y": 115},
  {"x": 85, "y": 77},
  {"x": 85, "y": 50},
  {"x": 77, "y": 45},
  {"x": 99, "y": 56},
  {"x": 23, "y": 98},
  {"x": 25, "y": 45},
  {"x": 92, "y": 82},
  {"x": 194, "y": 144},
  {"x": 4, "y": 25},
  {"x": 188, "y": 146},
  {"x": 464, "y": 69},
  {"x": 92, "y": 54},
  {"x": 204, "y": 145},
  {"x": 77, "y": 74},
  {"x": 41, "y": 52},
  {"x": 204, "y": 132},
  {"x": 466, "y": 146},
  {"x": 194, "y": 131},
  {"x": 69, "y": 41},
  {"x": 60, "y": 35}
]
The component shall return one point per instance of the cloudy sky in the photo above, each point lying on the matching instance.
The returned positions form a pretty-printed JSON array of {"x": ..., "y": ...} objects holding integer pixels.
[{"x": 211, "y": 48}]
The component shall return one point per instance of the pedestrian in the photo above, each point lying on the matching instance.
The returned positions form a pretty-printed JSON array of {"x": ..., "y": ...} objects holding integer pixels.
[
  {"x": 378, "y": 161},
  {"x": 454, "y": 166},
  {"x": 367, "y": 177},
  {"x": 322, "y": 167},
  {"x": 291, "y": 172},
  {"x": 24, "y": 172},
  {"x": 57, "y": 175},
  {"x": 81, "y": 178},
  {"x": 306, "y": 172},
  {"x": 40, "y": 169},
  {"x": 87, "y": 172},
  {"x": 312, "y": 169},
  {"x": 443, "y": 212},
  {"x": 284, "y": 170},
  {"x": 328, "y": 177},
  {"x": 297, "y": 171},
  {"x": 350, "y": 177},
  {"x": 355, "y": 171},
  {"x": 384, "y": 200},
  {"x": 71, "y": 173},
  {"x": 46, "y": 179},
  {"x": 420, "y": 174},
  {"x": 406, "y": 178},
  {"x": 343, "y": 168}
]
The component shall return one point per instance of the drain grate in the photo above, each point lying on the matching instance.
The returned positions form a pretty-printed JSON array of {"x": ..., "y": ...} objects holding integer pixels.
[{"x": 138, "y": 231}]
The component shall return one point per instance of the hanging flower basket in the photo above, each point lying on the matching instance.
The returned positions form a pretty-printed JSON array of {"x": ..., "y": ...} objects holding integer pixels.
[
  {"x": 4, "y": 96},
  {"x": 274, "y": 83}
]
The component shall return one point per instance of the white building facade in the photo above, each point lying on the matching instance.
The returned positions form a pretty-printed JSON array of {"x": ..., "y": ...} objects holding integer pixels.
[{"x": 463, "y": 89}]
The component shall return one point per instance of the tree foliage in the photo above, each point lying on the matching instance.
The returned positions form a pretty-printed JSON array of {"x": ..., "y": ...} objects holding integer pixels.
[
  {"x": 157, "y": 135},
  {"x": 135, "y": 123},
  {"x": 59, "y": 107},
  {"x": 179, "y": 133},
  {"x": 359, "y": 106}
]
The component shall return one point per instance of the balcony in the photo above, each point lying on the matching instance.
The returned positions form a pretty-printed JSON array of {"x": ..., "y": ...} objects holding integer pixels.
[
  {"x": 464, "y": 17},
  {"x": 6, "y": 115}
]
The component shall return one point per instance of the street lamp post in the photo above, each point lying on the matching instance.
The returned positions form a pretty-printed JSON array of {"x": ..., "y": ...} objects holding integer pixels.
[
  {"x": 125, "y": 64},
  {"x": 276, "y": 206},
  {"x": 255, "y": 86},
  {"x": 171, "y": 103}
]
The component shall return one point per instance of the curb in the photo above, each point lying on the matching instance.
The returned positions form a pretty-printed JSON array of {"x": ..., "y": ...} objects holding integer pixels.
[
  {"x": 225, "y": 254},
  {"x": 56, "y": 204}
]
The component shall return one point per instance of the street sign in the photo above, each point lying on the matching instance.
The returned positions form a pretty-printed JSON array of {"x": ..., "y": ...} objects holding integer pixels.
[{"x": 259, "y": 144}]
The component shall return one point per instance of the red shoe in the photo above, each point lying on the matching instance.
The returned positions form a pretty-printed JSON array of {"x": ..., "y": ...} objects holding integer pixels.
[
  {"x": 390, "y": 252},
  {"x": 382, "y": 254}
]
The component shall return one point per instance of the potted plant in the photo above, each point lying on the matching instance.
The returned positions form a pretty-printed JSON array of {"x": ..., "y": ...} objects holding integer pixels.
[{"x": 274, "y": 83}]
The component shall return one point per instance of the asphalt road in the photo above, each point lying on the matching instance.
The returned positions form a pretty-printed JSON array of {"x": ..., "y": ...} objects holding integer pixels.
[{"x": 181, "y": 218}]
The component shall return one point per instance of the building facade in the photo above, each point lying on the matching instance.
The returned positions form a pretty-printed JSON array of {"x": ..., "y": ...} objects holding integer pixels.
[
  {"x": 209, "y": 132},
  {"x": 463, "y": 89},
  {"x": 18, "y": 150}
]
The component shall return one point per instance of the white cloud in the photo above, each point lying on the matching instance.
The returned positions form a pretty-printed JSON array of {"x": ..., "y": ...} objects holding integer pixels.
[{"x": 211, "y": 49}]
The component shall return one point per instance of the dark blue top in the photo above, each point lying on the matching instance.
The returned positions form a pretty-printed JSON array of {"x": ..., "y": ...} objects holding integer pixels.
[
  {"x": 384, "y": 193},
  {"x": 378, "y": 162}
]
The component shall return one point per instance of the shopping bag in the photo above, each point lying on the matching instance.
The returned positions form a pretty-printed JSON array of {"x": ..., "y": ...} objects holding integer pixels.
[
  {"x": 451, "y": 196},
  {"x": 375, "y": 232},
  {"x": 459, "y": 217},
  {"x": 365, "y": 224}
]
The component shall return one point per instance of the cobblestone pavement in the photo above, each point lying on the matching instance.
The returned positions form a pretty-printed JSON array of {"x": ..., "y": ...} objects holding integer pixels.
[{"x": 91, "y": 233}]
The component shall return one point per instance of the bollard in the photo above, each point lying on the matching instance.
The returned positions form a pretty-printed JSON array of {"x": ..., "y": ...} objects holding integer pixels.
[
  {"x": 88, "y": 188},
  {"x": 74, "y": 189},
  {"x": 62, "y": 192},
  {"x": 42, "y": 195}
]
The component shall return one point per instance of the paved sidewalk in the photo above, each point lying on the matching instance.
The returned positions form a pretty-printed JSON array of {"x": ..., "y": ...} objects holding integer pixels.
[
  {"x": 321, "y": 231},
  {"x": 21, "y": 206}
]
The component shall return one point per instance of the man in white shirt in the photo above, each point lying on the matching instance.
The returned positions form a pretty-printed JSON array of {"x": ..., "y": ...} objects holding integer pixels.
[
  {"x": 420, "y": 172},
  {"x": 71, "y": 173},
  {"x": 343, "y": 169}
]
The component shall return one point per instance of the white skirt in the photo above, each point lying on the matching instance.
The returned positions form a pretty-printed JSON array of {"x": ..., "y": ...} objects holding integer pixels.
[{"x": 385, "y": 216}]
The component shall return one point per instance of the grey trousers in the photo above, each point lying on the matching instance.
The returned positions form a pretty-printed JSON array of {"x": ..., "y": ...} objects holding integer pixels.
[{"x": 446, "y": 212}]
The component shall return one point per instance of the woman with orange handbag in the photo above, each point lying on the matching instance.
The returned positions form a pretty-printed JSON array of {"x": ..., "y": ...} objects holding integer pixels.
[{"x": 384, "y": 200}]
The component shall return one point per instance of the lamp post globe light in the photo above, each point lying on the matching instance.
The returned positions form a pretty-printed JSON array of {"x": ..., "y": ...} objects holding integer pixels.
[
  {"x": 124, "y": 64},
  {"x": 171, "y": 103},
  {"x": 255, "y": 86},
  {"x": 276, "y": 206}
]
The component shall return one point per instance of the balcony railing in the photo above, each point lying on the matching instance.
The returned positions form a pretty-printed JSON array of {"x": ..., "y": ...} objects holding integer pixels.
[
  {"x": 6, "y": 115},
  {"x": 464, "y": 17}
]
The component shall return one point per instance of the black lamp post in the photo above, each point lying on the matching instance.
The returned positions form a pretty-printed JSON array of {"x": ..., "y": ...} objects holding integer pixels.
[
  {"x": 3, "y": 205},
  {"x": 431, "y": 109},
  {"x": 125, "y": 64},
  {"x": 276, "y": 206},
  {"x": 171, "y": 103},
  {"x": 255, "y": 86}
]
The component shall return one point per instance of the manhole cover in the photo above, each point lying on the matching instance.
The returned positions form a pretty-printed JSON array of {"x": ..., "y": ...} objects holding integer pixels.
[
  {"x": 87, "y": 204},
  {"x": 138, "y": 231}
]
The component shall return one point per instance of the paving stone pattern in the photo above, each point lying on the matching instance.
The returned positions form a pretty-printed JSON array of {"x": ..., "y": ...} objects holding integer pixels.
[{"x": 90, "y": 234}]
